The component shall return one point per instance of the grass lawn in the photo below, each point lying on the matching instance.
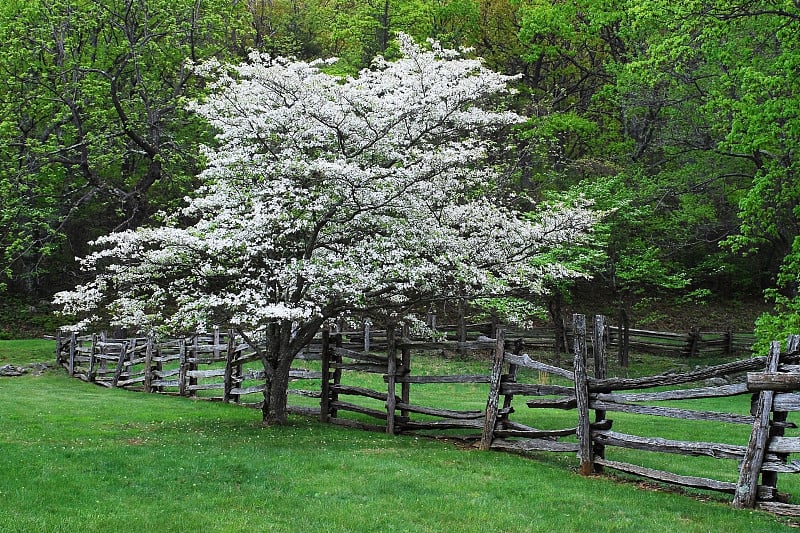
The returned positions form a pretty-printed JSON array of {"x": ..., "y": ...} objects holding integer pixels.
[
  {"x": 77, "y": 457},
  {"x": 21, "y": 352}
]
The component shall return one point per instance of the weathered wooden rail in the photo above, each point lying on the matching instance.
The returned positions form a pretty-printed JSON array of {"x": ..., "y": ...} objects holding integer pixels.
[
  {"x": 692, "y": 343},
  {"x": 222, "y": 366},
  {"x": 765, "y": 455},
  {"x": 392, "y": 408},
  {"x": 219, "y": 366}
]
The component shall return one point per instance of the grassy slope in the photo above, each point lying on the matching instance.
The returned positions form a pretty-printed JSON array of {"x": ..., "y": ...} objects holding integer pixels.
[
  {"x": 22, "y": 352},
  {"x": 76, "y": 457}
]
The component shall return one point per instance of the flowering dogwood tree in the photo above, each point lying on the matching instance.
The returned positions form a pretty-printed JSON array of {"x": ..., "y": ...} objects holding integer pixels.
[{"x": 327, "y": 195}]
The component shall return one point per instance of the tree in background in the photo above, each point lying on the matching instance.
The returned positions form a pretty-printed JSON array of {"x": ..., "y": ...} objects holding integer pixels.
[
  {"x": 93, "y": 135},
  {"x": 326, "y": 196},
  {"x": 721, "y": 83}
]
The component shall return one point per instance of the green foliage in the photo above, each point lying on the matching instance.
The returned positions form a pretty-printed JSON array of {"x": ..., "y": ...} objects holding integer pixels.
[
  {"x": 21, "y": 319},
  {"x": 784, "y": 320},
  {"x": 92, "y": 131},
  {"x": 681, "y": 118},
  {"x": 514, "y": 311}
]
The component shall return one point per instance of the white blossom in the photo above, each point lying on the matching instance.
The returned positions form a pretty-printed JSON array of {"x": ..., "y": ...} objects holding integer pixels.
[{"x": 324, "y": 195}]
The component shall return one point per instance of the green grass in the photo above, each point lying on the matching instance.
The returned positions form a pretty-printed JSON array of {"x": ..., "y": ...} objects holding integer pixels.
[
  {"x": 22, "y": 352},
  {"x": 77, "y": 457}
]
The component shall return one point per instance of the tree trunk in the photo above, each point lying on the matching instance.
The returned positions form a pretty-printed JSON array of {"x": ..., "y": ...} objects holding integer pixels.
[
  {"x": 277, "y": 364},
  {"x": 284, "y": 342},
  {"x": 624, "y": 337}
]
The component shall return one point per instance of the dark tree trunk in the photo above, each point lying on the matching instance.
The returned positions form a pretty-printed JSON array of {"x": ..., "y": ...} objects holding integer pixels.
[
  {"x": 624, "y": 337},
  {"x": 284, "y": 342},
  {"x": 278, "y": 363}
]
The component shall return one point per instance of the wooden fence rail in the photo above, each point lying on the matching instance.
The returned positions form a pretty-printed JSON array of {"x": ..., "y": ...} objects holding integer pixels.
[
  {"x": 222, "y": 366},
  {"x": 694, "y": 342},
  {"x": 765, "y": 454}
]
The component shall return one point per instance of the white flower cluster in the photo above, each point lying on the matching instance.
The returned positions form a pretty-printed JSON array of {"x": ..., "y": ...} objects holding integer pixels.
[{"x": 327, "y": 194}]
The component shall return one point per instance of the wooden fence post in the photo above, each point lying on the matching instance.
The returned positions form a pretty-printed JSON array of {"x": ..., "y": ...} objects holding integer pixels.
[
  {"x": 367, "y": 333},
  {"x": 747, "y": 486},
  {"x": 217, "y": 351},
  {"x": 183, "y": 367},
  {"x": 102, "y": 351},
  {"x": 585, "y": 452},
  {"x": 693, "y": 342},
  {"x": 462, "y": 327},
  {"x": 728, "y": 341},
  {"x": 230, "y": 354},
  {"x": 431, "y": 320},
  {"x": 159, "y": 349},
  {"x": 90, "y": 375},
  {"x": 192, "y": 362},
  {"x": 777, "y": 428},
  {"x": 391, "y": 375},
  {"x": 337, "y": 373},
  {"x": 73, "y": 346},
  {"x": 325, "y": 395},
  {"x": 405, "y": 361},
  {"x": 148, "y": 364},
  {"x": 513, "y": 370},
  {"x": 624, "y": 338},
  {"x": 123, "y": 355},
  {"x": 600, "y": 353},
  {"x": 494, "y": 390}
]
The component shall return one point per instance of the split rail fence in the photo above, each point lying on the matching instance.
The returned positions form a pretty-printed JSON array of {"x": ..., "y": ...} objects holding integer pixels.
[
  {"x": 222, "y": 366},
  {"x": 218, "y": 366},
  {"x": 765, "y": 455},
  {"x": 693, "y": 343}
]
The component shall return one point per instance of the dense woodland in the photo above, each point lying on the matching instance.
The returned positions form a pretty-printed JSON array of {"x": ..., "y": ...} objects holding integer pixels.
[{"x": 680, "y": 119}]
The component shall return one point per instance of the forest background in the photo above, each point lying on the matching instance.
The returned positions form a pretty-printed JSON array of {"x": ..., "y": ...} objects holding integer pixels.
[{"x": 682, "y": 119}]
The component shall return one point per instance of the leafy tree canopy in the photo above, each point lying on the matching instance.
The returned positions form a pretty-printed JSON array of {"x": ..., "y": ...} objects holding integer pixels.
[{"x": 326, "y": 196}]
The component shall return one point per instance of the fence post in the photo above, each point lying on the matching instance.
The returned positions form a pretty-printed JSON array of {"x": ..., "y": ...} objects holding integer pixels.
[
  {"x": 494, "y": 390},
  {"x": 462, "y": 327},
  {"x": 513, "y": 370},
  {"x": 600, "y": 372},
  {"x": 159, "y": 352},
  {"x": 73, "y": 344},
  {"x": 183, "y": 369},
  {"x": 192, "y": 362},
  {"x": 148, "y": 365},
  {"x": 405, "y": 362},
  {"x": 123, "y": 355},
  {"x": 230, "y": 354},
  {"x": 624, "y": 338},
  {"x": 729, "y": 341},
  {"x": 367, "y": 333},
  {"x": 90, "y": 375},
  {"x": 431, "y": 320},
  {"x": 391, "y": 375},
  {"x": 103, "y": 351},
  {"x": 747, "y": 486},
  {"x": 217, "y": 351},
  {"x": 585, "y": 452},
  {"x": 777, "y": 428},
  {"x": 693, "y": 342},
  {"x": 337, "y": 372},
  {"x": 325, "y": 395}
]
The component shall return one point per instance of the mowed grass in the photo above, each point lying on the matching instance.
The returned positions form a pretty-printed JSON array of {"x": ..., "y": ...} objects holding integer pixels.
[
  {"x": 22, "y": 352},
  {"x": 77, "y": 457}
]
